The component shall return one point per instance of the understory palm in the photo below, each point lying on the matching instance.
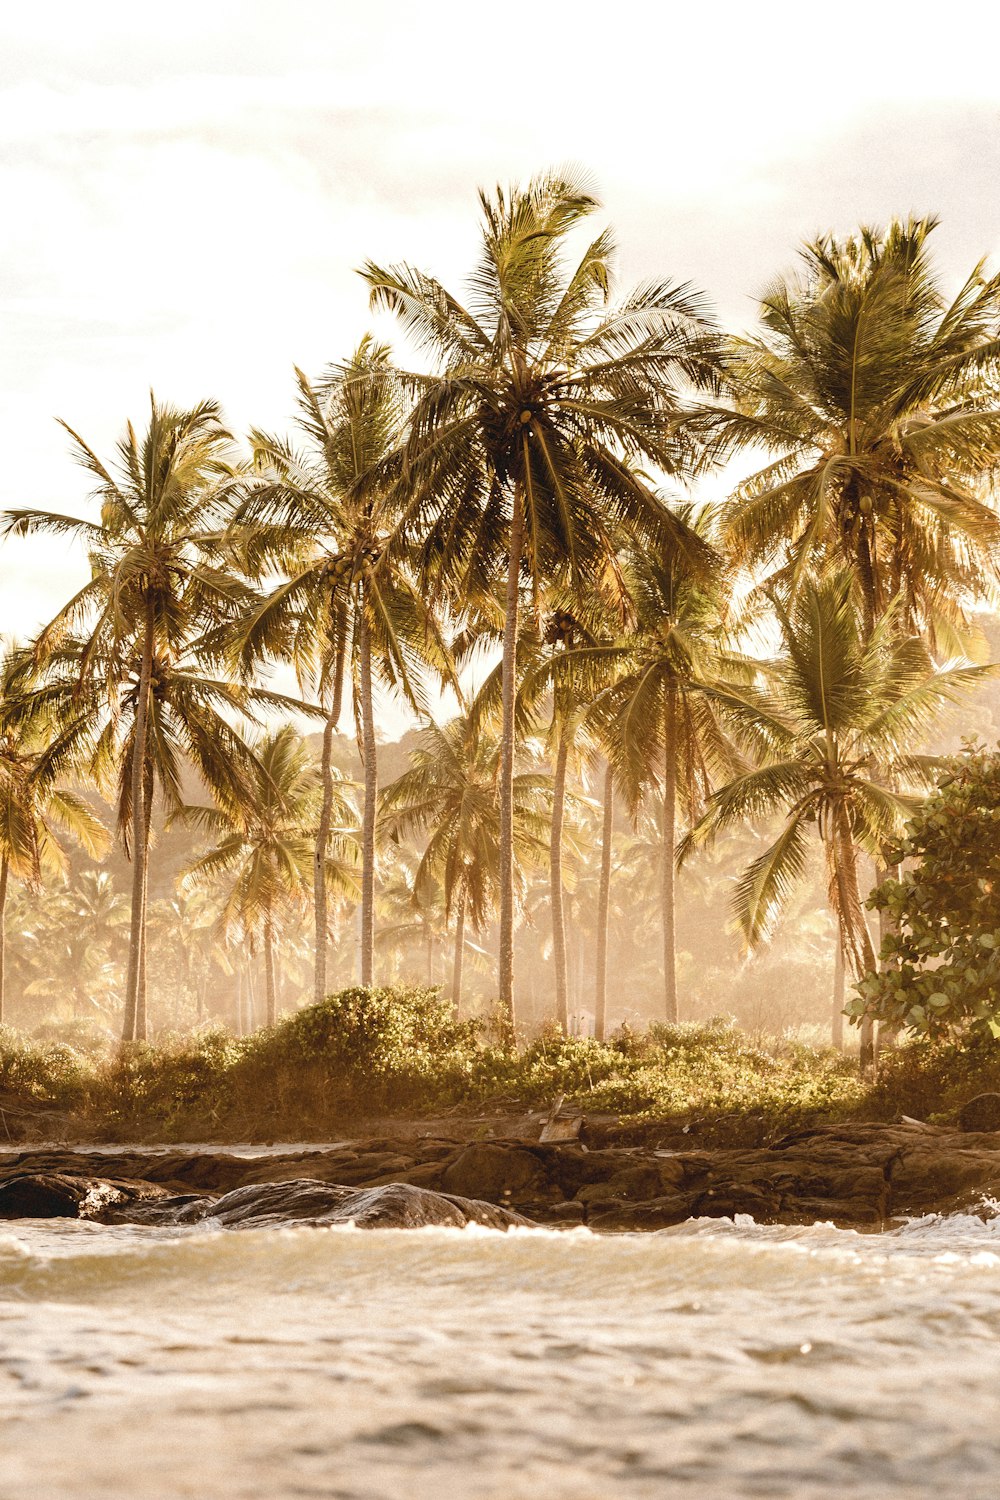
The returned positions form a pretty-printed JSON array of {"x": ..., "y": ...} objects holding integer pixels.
[
  {"x": 649, "y": 709},
  {"x": 449, "y": 790},
  {"x": 263, "y": 857}
]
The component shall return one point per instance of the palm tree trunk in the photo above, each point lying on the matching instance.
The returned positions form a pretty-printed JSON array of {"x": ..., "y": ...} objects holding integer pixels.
[
  {"x": 250, "y": 999},
  {"x": 270, "y": 988},
  {"x": 556, "y": 881},
  {"x": 326, "y": 809},
  {"x": 4, "y": 876},
  {"x": 240, "y": 1028},
  {"x": 854, "y": 928},
  {"x": 669, "y": 840},
  {"x": 505, "y": 976},
  {"x": 603, "y": 910},
  {"x": 368, "y": 752},
  {"x": 142, "y": 1000},
  {"x": 839, "y": 988},
  {"x": 138, "y": 915},
  {"x": 456, "y": 973}
]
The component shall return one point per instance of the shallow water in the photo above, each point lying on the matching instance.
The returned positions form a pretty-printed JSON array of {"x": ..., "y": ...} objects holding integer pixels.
[{"x": 715, "y": 1359}]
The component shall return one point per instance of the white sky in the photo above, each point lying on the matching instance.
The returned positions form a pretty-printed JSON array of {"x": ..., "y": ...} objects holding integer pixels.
[{"x": 186, "y": 189}]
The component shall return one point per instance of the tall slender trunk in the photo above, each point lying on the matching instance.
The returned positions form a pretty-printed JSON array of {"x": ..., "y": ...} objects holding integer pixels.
[
  {"x": 326, "y": 808},
  {"x": 556, "y": 881},
  {"x": 456, "y": 972},
  {"x": 429, "y": 952},
  {"x": 251, "y": 1007},
  {"x": 142, "y": 996},
  {"x": 839, "y": 990},
  {"x": 269, "y": 983},
  {"x": 240, "y": 1028},
  {"x": 505, "y": 975},
  {"x": 4, "y": 877},
  {"x": 138, "y": 915},
  {"x": 368, "y": 753},
  {"x": 669, "y": 841},
  {"x": 603, "y": 910},
  {"x": 858, "y": 941}
]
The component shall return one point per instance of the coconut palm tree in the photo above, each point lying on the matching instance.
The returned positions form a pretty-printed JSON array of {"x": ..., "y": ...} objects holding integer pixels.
[
  {"x": 264, "y": 850},
  {"x": 834, "y": 723},
  {"x": 82, "y": 939},
  {"x": 35, "y": 808},
  {"x": 450, "y": 789},
  {"x": 344, "y": 609},
  {"x": 521, "y": 459},
  {"x": 190, "y": 720},
  {"x": 155, "y": 586},
  {"x": 877, "y": 397},
  {"x": 647, "y": 705}
]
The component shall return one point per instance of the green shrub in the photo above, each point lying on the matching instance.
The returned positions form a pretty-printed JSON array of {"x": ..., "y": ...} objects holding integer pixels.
[
  {"x": 941, "y": 969},
  {"x": 49, "y": 1073}
]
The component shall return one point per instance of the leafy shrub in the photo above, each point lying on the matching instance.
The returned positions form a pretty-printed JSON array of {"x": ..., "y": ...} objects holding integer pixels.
[
  {"x": 931, "y": 1080},
  {"x": 42, "y": 1072},
  {"x": 941, "y": 964}
]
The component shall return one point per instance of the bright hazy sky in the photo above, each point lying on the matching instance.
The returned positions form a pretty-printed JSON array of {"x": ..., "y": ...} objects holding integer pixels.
[{"x": 187, "y": 188}]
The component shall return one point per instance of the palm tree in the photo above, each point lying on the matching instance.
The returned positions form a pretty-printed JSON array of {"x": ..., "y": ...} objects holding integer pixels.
[
  {"x": 450, "y": 789},
  {"x": 522, "y": 448},
  {"x": 344, "y": 608},
  {"x": 155, "y": 586},
  {"x": 34, "y": 807},
  {"x": 82, "y": 936},
  {"x": 189, "y": 722},
  {"x": 835, "y": 721},
  {"x": 264, "y": 853},
  {"x": 648, "y": 706},
  {"x": 878, "y": 399}
]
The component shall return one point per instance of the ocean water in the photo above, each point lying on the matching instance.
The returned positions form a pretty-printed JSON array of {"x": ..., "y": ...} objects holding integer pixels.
[{"x": 716, "y": 1359}]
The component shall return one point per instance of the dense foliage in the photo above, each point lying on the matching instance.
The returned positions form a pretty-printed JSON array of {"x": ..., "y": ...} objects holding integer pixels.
[
  {"x": 941, "y": 957},
  {"x": 364, "y": 1052}
]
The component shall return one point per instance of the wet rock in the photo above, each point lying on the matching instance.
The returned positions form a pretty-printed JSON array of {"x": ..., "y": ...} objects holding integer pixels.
[
  {"x": 658, "y": 1213},
  {"x": 63, "y": 1195},
  {"x": 980, "y": 1114},
  {"x": 261, "y": 1205},
  {"x": 496, "y": 1173}
]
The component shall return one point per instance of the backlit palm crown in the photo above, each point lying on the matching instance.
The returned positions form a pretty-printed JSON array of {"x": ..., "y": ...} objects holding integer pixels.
[
  {"x": 833, "y": 726},
  {"x": 882, "y": 403},
  {"x": 545, "y": 388}
]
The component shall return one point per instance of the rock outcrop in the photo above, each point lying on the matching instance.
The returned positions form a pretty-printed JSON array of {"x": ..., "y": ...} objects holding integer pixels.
[{"x": 856, "y": 1174}]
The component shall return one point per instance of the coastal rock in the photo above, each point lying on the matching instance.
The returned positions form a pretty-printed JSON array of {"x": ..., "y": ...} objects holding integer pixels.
[
  {"x": 63, "y": 1195},
  {"x": 305, "y": 1201},
  {"x": 862, "y": 1174},
  {"x": 980, "y": 1114},
  {"x": 497, "y": 1173}
]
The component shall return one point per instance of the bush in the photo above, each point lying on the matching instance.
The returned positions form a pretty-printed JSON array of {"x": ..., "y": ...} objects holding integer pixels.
[
  {"x": 941, "y": 965},
  {"x": 365, "y": 1052},
  {"x": 46, "y": 1073},
  {"x": 361, "y": 1049}
]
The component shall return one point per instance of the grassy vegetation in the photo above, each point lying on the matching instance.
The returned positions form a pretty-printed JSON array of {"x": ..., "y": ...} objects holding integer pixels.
[{"x": 363, "y": 1054}]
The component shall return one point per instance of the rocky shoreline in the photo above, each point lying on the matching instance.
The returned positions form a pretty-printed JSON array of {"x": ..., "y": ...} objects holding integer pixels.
[{"x": 857, "y": 1175}]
